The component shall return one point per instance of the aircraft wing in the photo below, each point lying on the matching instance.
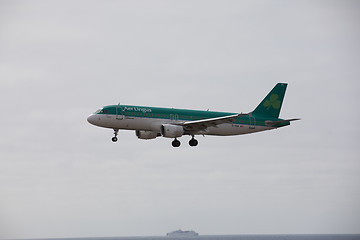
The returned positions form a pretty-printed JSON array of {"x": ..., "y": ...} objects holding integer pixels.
[{"x": 210, "y": 122}]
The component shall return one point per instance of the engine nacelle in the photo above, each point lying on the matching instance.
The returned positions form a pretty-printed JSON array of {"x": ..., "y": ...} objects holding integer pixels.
[
  {"x": 171, "y": 131},
  {"x": 146, "y": 134}
]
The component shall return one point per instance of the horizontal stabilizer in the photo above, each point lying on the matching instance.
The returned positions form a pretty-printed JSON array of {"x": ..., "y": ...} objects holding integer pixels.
[{"x": 273, "y": 123}]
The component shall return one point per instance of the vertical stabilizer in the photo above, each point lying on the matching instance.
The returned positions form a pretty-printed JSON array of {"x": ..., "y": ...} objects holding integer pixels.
[{"x": 271, "y": 105}]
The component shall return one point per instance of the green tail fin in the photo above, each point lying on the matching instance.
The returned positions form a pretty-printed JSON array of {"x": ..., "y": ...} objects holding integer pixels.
[{"x": 271, "y": 105}]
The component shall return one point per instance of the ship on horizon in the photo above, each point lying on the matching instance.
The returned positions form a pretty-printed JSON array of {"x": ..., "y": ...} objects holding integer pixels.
[{"x": 181, "y": 233}]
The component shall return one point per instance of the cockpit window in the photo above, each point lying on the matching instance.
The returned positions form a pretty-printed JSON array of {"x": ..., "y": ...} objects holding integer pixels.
[
  {"x": 98, "y": 111},
  {"x": 102, "y": 111}
]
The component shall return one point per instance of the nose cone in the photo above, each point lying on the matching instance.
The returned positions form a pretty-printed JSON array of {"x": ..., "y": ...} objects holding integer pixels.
[{"x": 92, "y": 119}]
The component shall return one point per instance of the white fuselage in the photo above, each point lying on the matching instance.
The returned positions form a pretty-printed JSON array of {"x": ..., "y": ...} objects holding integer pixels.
[{"x": 152, "y": 124}]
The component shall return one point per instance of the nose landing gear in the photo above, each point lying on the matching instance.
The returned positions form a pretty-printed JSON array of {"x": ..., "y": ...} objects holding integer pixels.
[{"x": 116, "y": 131}]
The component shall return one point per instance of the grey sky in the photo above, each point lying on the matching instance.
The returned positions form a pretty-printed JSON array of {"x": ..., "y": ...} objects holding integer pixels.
[{"x": 61, "y": 60}]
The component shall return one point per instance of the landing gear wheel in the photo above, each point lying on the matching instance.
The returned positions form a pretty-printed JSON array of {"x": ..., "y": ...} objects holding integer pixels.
[
  {"x": 114, "y": 139},
  {"x": 176, "y": 143},
  {"x": 193, "y": 142}
]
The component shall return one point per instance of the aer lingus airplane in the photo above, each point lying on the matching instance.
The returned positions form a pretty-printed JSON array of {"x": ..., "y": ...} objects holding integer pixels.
[{"x": 152, "y": 122}]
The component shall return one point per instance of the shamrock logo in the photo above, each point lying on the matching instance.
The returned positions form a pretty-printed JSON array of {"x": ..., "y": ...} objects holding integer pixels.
[{"x": 273, "y": 102}]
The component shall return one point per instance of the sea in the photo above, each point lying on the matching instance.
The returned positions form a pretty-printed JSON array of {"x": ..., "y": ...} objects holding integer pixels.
[{"x": 229, "y": 237}]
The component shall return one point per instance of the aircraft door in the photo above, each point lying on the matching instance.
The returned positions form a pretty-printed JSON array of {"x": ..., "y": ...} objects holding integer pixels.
[
  {"x": 119, "y": 113},
  {"x": 174, "y": 117},
  {"x": 252, "y": 122}
]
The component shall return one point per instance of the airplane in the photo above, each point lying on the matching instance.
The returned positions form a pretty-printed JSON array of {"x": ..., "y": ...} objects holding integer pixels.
[{"x": 153, "y": 122}]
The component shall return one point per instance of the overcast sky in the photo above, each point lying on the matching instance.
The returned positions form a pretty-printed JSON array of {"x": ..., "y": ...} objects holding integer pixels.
[{"x": 62, "y": 60}]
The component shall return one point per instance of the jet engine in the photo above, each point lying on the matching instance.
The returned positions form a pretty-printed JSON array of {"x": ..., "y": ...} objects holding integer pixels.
[
  {"x": 146, "y": 134},
  {"x": 171, "y": 131}
]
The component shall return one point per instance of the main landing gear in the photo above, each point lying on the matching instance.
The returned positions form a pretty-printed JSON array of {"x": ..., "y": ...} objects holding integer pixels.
[
  {"x": 116, "y": 131},
  {"x": 176, "y": 143},
  {"x": 193, "y": 142}
]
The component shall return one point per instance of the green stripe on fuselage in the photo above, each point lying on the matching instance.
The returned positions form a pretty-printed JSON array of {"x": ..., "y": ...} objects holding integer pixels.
[{"x": 178, "y": 114}]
